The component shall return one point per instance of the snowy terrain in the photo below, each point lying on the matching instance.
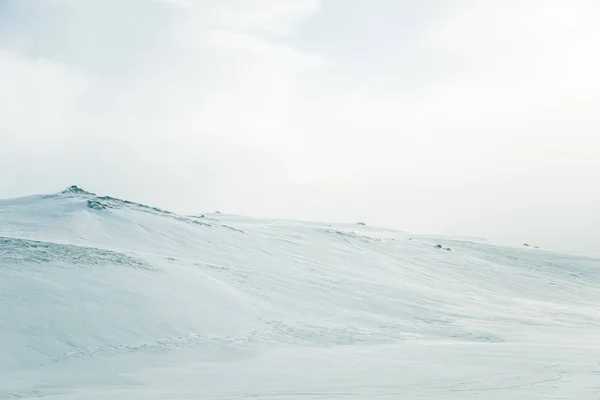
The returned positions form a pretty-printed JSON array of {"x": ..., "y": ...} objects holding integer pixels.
[{"x": 102, "y": 298}]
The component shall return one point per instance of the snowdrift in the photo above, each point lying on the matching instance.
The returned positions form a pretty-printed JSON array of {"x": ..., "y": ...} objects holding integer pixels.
[{"x": 108, "y": 298}]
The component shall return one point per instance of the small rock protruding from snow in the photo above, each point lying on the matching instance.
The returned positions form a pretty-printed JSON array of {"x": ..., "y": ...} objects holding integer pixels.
[
  {"x": 525, "y": 244},
  {"x": 96, "y": 205},
  {"x": 361, "y": 223},
  {"x": 74, "y": 189}
]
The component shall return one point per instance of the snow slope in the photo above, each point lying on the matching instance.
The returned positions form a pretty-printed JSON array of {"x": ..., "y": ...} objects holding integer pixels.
[{"x": 104, "y": 298}]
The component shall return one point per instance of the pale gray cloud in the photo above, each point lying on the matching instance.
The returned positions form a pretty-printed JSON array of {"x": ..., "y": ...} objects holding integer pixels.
[{"x": 460, "y": 117}]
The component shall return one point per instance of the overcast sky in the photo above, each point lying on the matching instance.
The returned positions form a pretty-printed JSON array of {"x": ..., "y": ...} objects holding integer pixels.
[{"x": 457, "y": 117}]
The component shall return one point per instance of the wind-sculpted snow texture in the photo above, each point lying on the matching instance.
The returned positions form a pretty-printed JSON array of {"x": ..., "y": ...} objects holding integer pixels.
[{"x": 102, "y": 298}]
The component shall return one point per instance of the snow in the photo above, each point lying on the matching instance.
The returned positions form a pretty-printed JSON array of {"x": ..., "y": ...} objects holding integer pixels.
[{"x": 103, "y": 298}]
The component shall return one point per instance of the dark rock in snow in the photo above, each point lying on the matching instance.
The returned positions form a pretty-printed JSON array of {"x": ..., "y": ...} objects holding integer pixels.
[
  {"x": 74, "y": 189},
  {"x": 96, "y": 205},
  {"x": 361, "y": 223},
  {"x": 439, "y": 246}
]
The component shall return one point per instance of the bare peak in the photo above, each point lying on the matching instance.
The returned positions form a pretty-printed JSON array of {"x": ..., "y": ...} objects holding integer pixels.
[{"x": 74, "y": 189}]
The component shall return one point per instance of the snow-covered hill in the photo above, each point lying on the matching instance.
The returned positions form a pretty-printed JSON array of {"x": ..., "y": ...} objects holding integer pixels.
[{"x": 106, "y": 298}]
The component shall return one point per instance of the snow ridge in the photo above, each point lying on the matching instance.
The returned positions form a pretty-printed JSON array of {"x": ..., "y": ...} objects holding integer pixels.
[{"x": 107, "y": 298}]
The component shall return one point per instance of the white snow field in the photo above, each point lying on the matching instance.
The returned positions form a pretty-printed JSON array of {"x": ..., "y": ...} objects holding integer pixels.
[{"x": 106, "y": 299}]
